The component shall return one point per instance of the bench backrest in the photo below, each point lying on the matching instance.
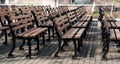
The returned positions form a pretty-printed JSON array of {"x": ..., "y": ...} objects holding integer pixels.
[
  {"x": 38, "y": 8},
  {"x": 61, "y": 11},
  {"x": 53, "y": 12},
  {"x": 19, "y": 22},
  {"x": 65, "y": 8},
  {"x": 4, "y": 11},
  {"x": 72, "y": 17},
  {"x": 61, "y": 24},
  {"x": 41, "y": 17}
]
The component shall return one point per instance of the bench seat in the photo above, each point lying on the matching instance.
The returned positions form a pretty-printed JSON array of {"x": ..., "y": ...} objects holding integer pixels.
[
  {"x": 112, "y": 34},
  {"x": 32, "y": 33},
  {"x": 74, "y": 33},
  {"x": 80, "y": 25},
  {"x": 47, "y": 24},
  {"x": 114, "y": 24},
  {"x": 117, "y": 34}
]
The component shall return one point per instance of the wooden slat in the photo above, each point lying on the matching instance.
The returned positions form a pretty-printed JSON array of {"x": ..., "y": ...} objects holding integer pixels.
[
  {"x": 67, "y": 33},
  {"x": 21, "y": 26},
  {"x": 38, "y": 32},
  {"x": 85, "y": 24},
  {"x": 112, "y": 34},
  {"x": 79, "y": 33},
  {"x": 117, "y": 32},
  {"x": 73, "y": 33},
  {"x": 80, "y": 24},
  {"x": 21, "y": 34},
  {"x": 113, "y": 24},
  {"x": 118, "y": 24}
]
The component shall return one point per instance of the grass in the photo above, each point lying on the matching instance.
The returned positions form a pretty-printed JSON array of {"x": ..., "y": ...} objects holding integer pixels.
[{"x": 96, "y": 14}]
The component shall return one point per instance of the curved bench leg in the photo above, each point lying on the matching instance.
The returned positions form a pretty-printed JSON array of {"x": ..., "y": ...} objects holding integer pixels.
[
  {"x": 59, "y": 48},
  {"x": 65, "y": 43},
  {"x": 80, "y": 44},
  {"x": 13, "y": 48},
  {"x": 29, "y": 46},
  {"x": 21, "y": 46},
  {"x": 43, "y": 35},
  {"x": 49, "y": 34},
  {"x": 106, "y": 49},
  {"x": 75, "y": 50},
  {"x": 53, "y": 32},
  {"x": 5, "y": 32},
  {"x": 38, "y": 44},
  {"x": 118, "y": 45}
]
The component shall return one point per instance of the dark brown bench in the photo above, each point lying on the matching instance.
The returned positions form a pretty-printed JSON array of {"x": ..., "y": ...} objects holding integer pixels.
[
  {"x": 4, "y": 25},
  {"x": 66, "y": 33},
  {"x": 114, "y": 24},
  {"x": 59, "y": 9},
  {"x": 62, "y": 10},
  {"x": 110, "y": 18},
  {"x": 42, "y": 20},
  {"x": 111, "y": 33},
  {"x": 29, "y": 32},
  {"x": 65, "y": 8},
  {"x": 4, "y": 29},
  {"x": 53, "y": 12},
  {"x": 82, "y": 22},
  {"x": 80, "y": 12}
]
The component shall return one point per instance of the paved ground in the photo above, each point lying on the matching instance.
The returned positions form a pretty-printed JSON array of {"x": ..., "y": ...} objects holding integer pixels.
[{"x": 90, "y": 53}]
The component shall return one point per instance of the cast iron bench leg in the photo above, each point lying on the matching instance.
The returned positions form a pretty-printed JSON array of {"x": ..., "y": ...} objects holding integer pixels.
[
  {"x": 38, "y": 44},
  {"x": 59, "y": 48},
  {"x": 5, "y": 32},
  {"x": 106, "y": 49},
  {"x": 29, "y": 46},
  {"x": 75, "y": 50},
  {"x": 13, "y": 48},
  {"x": 21, "y": 46},
  {"x": 49, "y": 34}
]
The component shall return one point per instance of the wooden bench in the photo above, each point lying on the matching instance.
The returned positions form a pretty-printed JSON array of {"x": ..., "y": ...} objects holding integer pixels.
[
  {"x": 66, "y": 33},
  {"x": 110, "y": 34},
  {"x": 4, "y": 29},
  {"x": 4, "y": 25},
  {"x": 111, "y": 23},
  {"x": 110, "y": 18},
  {"x": 80, "y": 12},
  {"x": 65, "y": 9},
  {"x": 16, "y": 23},
  {"x": 82, "y": 22},
  {"x": 42, "y": 20},
  {"x": 25, "y": 10},
  {"x": 53, "y": 12},
  {"x": 38, "y": 8},
  {"x": 61, "y": 10}
]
